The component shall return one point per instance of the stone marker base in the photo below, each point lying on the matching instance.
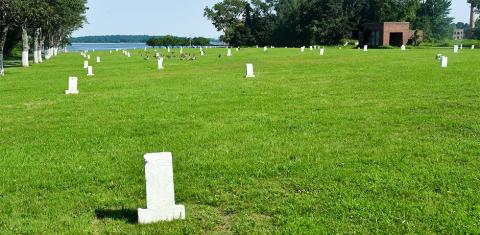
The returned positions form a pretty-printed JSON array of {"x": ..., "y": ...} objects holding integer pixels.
[
  {"x": 148, "y": 216},
  {"x": 68, "y": 92}
]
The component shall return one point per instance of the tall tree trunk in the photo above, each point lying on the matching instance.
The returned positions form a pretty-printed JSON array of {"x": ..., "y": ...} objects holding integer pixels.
[
  {"x": 36, "y": 46},
  {"x": 3, "y": 38},
  {"x": 26, "y": 47},
  {"x": 42, "y": 46}
]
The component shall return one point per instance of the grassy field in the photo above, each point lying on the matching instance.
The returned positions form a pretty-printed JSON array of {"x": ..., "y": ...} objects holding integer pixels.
[{"x": 351, "y": 142}]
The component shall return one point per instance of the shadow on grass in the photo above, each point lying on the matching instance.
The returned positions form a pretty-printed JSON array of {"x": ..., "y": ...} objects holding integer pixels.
[
  {"x": 130, "y": 216},
  {"x": 12, "y": 63}
]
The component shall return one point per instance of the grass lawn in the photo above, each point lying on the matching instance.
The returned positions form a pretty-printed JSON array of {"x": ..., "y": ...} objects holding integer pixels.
[{"x": 351, "y": 142}]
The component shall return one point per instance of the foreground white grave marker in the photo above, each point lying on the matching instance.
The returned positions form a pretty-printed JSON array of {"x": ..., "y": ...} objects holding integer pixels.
[
  {"x": 444, "y": 61},
  {"x": 461, "y": 46},
  {"x": 302, "y": 49},
  {"x": 229, "y": 52},
  {"x": 98, "y": 59},
  {"x": 88, "y": 57},
  {"x": 455, "y": 49},
  {"x": 90, "y": 71},
  {"x": 160, "y": 190},
  {"x": 72, "y": 86},
  {"x": 265, "y": 49},
  {"x": 403, "y": 48},
  {"x": 85, "y": 64},
  {"x": 160, "y": 63},
  {"x": 322, "y": 51},
  {"x": 365, "y": 48},
  {"x": 250, "y": 73},
  {"x": 473, "y": 47}
]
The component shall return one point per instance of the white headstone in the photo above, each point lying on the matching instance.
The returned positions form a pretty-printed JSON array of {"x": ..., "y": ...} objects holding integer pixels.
[
  {"x": 160, "y": 63},
  {"x": 322, "y": 51},
  {"x": 365, "y": 48},
  {"x": 110, "y": 51},
  {"x": 85, "y": 64},
  {"x": 444, "y": 61},
  {"x": 229, "y": 52},
  {"x": 98, "y": 59},
  {"x": 72, "y": 86},
  {"x": 168, "y": 49},
  {"x": 160, "y": 190},
  {"x": 455, "y": 49},
  {"x": 311, "y": 48},
  {"x": 265, "y": 48},
  {"x": 250, "y": 73},
  {"x": 403, "y": 48},
  {"x": 473, "y": 47},
  {"x": 181, "y": 50},
  {"x": 128, "y": 54},
  {"x": 90, "y": 71},
  {"x": 202, "y": 53},
  {"x": 157, "y": 55},
  {"x": 302, "y": 49},
  {"x": 88, "y": 57},
  {"x": 461, "y": 46},
  {"x": 237, "y": 49}
]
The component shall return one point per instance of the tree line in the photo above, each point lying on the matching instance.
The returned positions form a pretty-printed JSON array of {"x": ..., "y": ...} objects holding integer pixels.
[
  {"x": 44, "y": 24},
  {"x": 309, "y": 22},
  {"x": 177, "y": 41}
]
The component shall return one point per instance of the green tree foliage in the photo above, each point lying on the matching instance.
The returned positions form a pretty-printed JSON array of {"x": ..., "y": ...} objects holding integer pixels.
[
  {"x": 433, "y": 18},
  {"x": 304, "y": 22},
  {"x": 200, "y": 41},
  {"x": 177, "y": 41}
]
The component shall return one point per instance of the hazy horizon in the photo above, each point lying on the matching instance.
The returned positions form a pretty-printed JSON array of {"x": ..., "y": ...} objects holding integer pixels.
[{"x": 179, "y": 18}]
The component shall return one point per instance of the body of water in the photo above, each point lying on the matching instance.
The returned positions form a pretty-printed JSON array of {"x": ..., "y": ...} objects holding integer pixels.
[{"x": 104, "y": 46}]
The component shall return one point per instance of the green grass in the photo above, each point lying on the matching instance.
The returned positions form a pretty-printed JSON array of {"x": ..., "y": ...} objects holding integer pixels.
[{"x": 351, "y": 142}]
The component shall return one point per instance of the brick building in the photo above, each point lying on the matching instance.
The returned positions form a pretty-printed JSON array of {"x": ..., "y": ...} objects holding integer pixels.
[{"x": 387, "y": 33}]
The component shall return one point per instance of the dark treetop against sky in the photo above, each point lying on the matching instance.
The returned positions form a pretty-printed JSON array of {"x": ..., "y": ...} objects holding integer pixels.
[{"x": 175, "y": 17}]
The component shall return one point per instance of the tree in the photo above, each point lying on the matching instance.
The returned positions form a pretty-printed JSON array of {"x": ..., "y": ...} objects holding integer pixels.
[
  {"x": 226, "y": 16},
  {"x": 6, "y": 21},
  {"x": 433, "y": 17},
  {"x": 199, "y": 41}
]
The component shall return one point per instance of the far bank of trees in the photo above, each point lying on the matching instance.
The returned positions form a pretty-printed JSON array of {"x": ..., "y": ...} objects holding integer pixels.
[
  {"x": 169, "y": 40},
  {"x": 42, "y": 26},
  {"x": 308, "y": 22}
]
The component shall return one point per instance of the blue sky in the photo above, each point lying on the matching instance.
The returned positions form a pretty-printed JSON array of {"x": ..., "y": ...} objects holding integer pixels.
[{"x": 175, "y": 17}]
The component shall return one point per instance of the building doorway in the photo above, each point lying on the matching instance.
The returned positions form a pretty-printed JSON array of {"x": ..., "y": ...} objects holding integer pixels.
[{"x": 396, "y": 39}]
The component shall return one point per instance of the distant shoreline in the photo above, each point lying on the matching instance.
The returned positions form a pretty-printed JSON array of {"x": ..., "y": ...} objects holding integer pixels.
[{"x": 86, "y": 43}]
